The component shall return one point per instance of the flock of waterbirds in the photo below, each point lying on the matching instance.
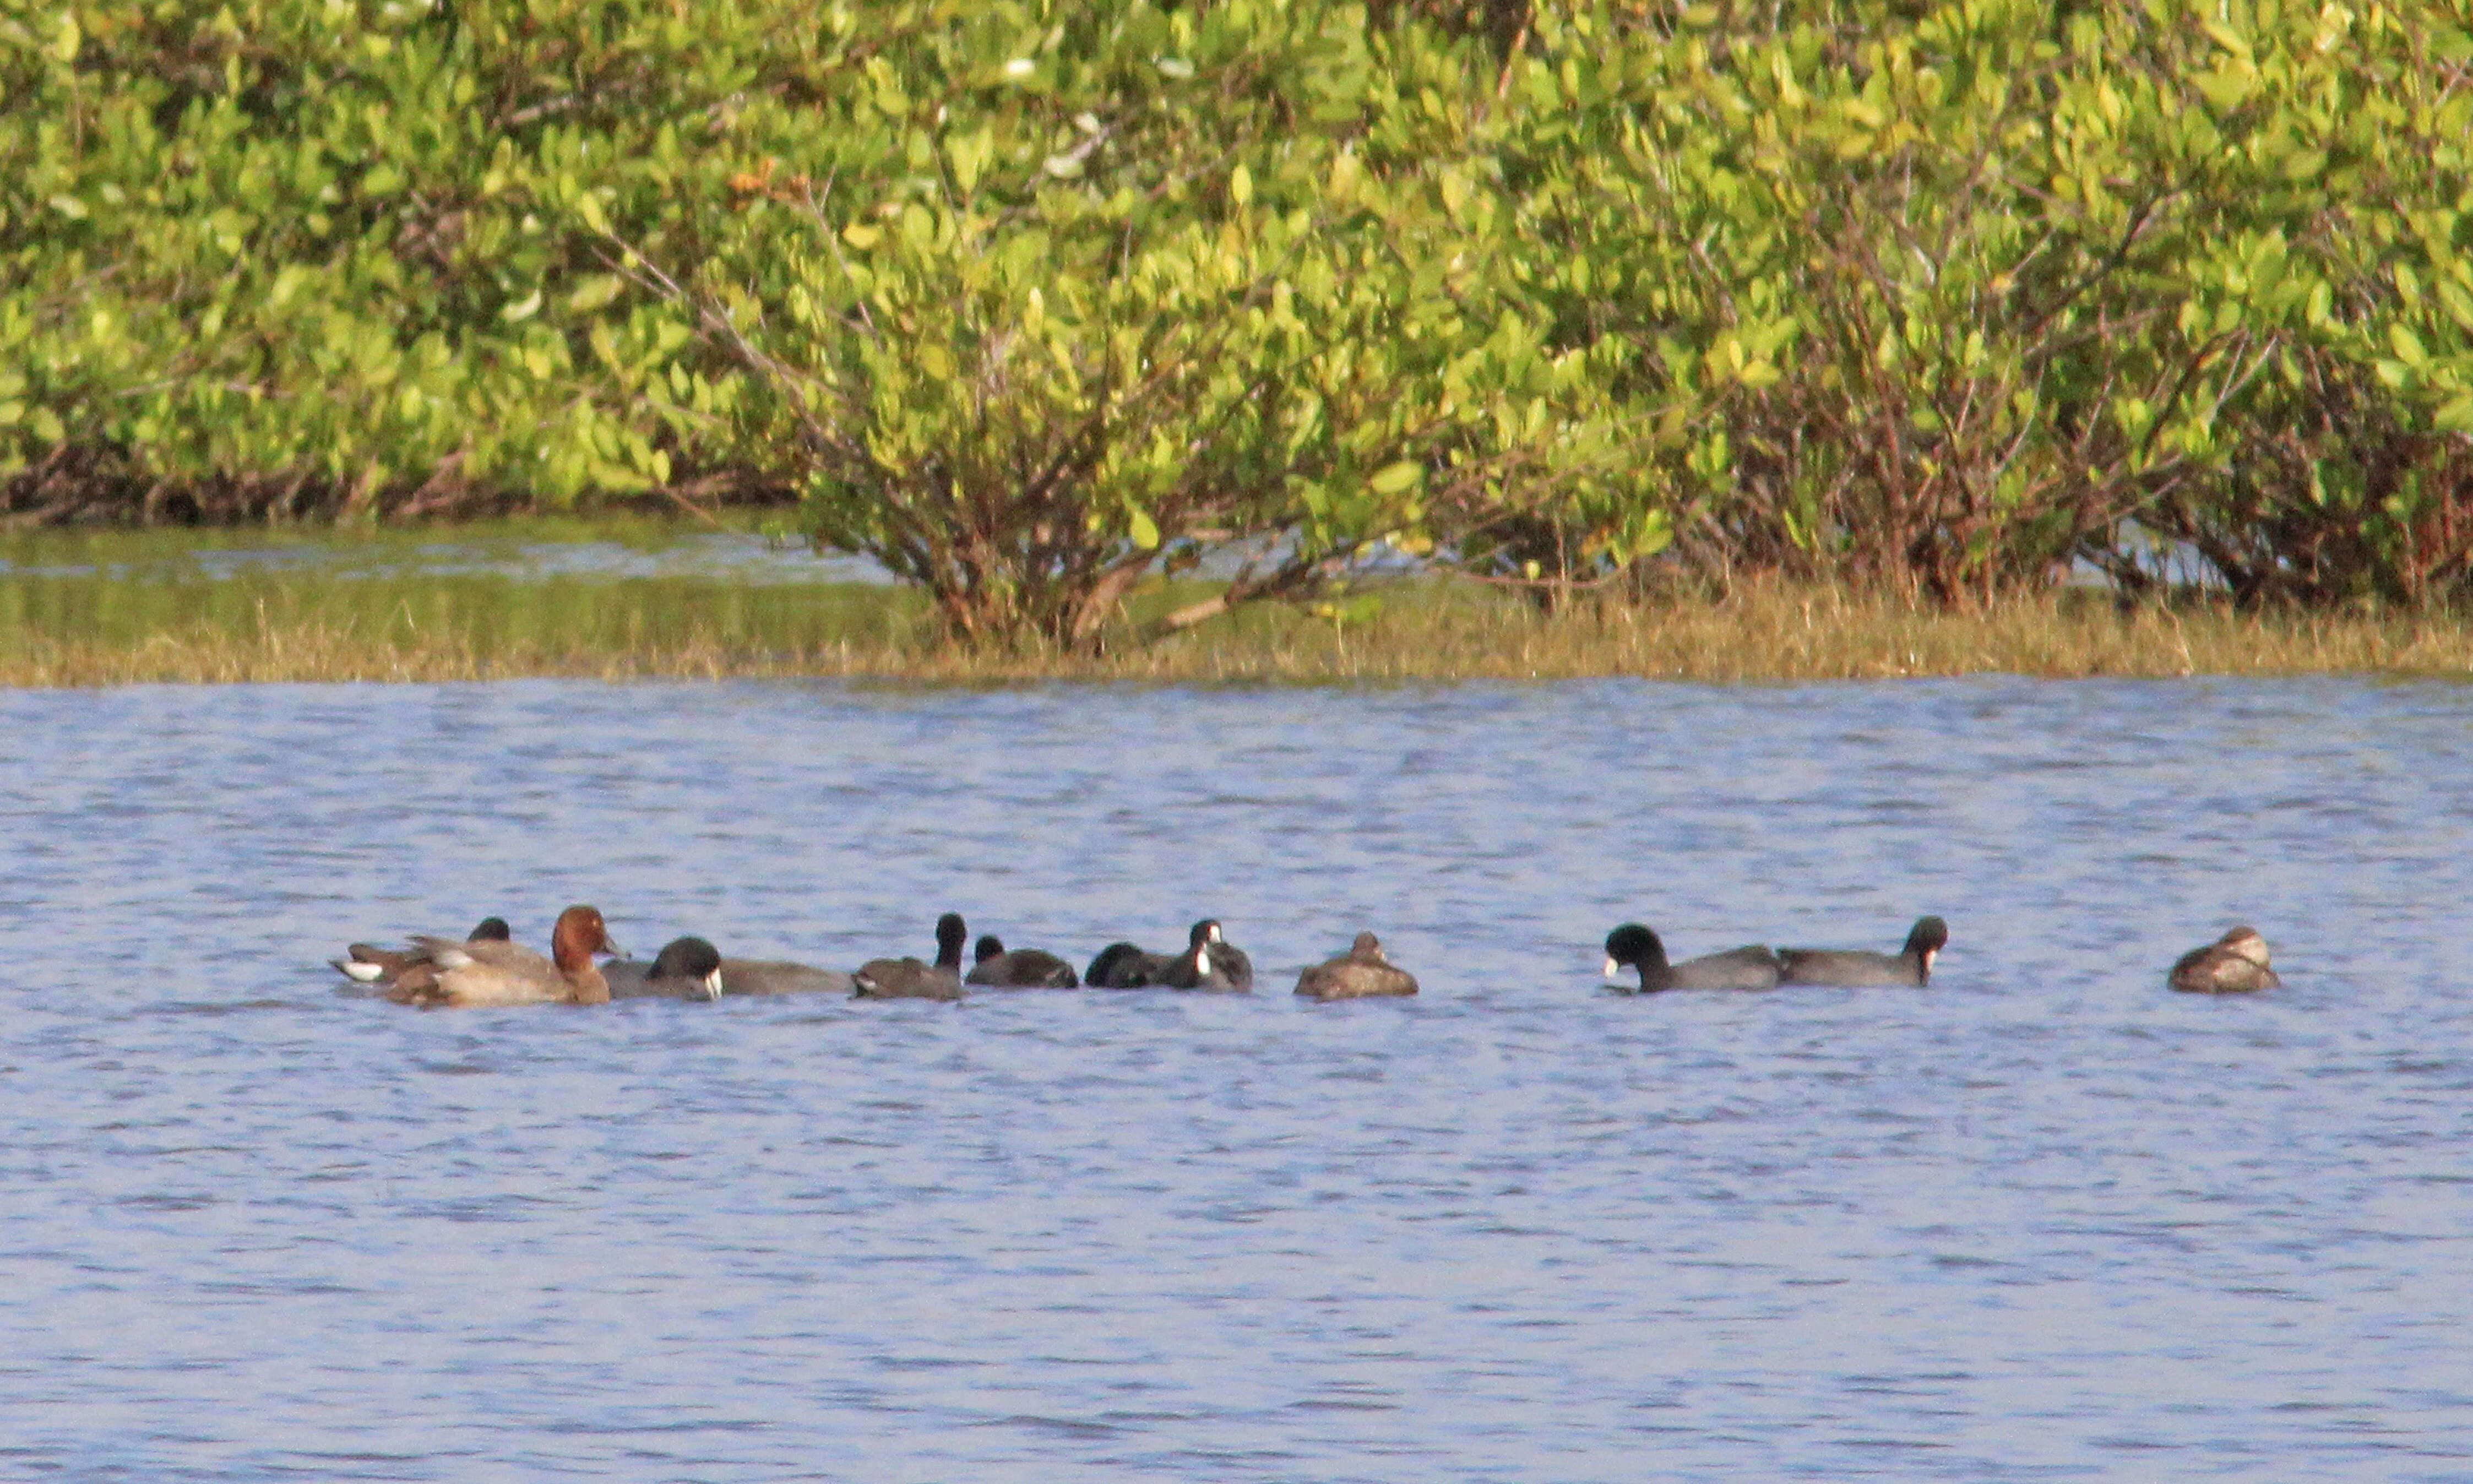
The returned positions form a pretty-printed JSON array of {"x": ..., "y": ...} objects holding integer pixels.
[{"x": 488, "y": 967}]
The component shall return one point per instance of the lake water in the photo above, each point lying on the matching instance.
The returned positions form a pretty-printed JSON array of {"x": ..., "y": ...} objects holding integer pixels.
[{"x": 2044, "y": 1220}]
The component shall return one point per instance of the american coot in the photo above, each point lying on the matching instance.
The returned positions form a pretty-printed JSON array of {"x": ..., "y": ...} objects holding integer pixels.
[
  {"x": 1211, "y": 962},
  {"x": 908, "y": 978},
  {"x": 780, "y": 977},
  {"x": 1020, "y": 969},
  {"x": 2234, "y": 963},
  {"x": 1852, "y": 968},
  {"x": 1751, "y": 967},
  {"x": 685, "y": 968},
  {"x": 1121, "y": 966},
  {"x": 1359, "y": 973},
  {"x": 501, "y": 974},
  {"x": 362, "y": 964}
]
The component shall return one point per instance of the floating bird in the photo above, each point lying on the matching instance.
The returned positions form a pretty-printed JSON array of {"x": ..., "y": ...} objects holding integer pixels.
[
  {"x": 1019, "y": 969},
  {"x": 491, "y": 972},
  {"x": 1211, "y": 962},
  {"x": 2234, "y": 963},
  {"x": 1360, "y": 973},
  {"x": 908, "y": 978},
  {"x": 1852, "y": 969},
  {"x": 1751, "y": 967},
  {"x": 685, "y": 968},
  {"x": 362, "y": 964}
]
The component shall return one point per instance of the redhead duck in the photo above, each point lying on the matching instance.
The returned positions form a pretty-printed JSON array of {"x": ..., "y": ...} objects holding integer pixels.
[
  {"x": 502, "y": 974},
  {"x": 908, "y": 978},
  {"x": 2234, "y": 963},
  {"x": 1359, "y": 973},
  {"x": 1019, "y": 969},
  {"x": 685, "y": 968},
  {"x": 362, "y": 964},
  {"x": 1751, "y": 967},
  {"x": 1211, "y": 962},
  {"x": 1852, "y": 968}
]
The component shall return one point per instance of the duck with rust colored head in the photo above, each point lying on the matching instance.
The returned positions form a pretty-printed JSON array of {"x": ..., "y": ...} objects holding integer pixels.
[
  {"x": 1751, "y": 967},
  {"x": 1019, "y": 969},
  {"x": 364, "y": 963},
  {"x": 908, "y": 978},
  {"x": 1362, "y": 973},
  {"x": 1854, "y": 969},
  {"x": 488, "y": 974},
  {"x": 2234, "y": 964}
]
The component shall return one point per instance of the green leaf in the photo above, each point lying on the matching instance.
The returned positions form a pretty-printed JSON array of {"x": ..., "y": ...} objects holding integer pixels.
[
  {"x": 1143, "y": 530},
  {"x": 594, "y": 292},
  {"x": 1395, "y": 478}
]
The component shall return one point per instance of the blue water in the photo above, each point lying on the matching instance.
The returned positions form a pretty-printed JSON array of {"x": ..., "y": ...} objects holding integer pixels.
[{"x": 2044, "y": 1220}]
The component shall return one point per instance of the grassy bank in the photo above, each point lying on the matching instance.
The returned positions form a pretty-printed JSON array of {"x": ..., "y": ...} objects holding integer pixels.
[{"x": 106, "y": 629}]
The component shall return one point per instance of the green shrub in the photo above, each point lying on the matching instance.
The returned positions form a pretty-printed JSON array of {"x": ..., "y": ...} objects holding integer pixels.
[{"x": 1031, "y": 302}]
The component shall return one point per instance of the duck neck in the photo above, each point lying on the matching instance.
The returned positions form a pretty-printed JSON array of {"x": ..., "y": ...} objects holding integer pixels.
[{"x": 588, "y": 982}]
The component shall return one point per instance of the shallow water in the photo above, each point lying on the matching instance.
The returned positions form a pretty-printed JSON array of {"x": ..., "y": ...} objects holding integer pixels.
[
  {"x": 2044, "y": 1220},
  {"x": 530, "y": 550}
]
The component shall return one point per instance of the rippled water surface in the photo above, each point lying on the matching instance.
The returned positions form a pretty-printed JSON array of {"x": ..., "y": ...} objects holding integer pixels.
[{"x": 2043, "y": 1220}]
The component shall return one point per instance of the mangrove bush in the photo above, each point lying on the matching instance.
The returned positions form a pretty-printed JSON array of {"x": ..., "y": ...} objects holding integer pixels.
[{"x": 1031, "y": 302}]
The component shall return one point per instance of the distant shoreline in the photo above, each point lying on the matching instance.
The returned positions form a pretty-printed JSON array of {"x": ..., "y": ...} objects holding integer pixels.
[{"x": 105, "y": 629}]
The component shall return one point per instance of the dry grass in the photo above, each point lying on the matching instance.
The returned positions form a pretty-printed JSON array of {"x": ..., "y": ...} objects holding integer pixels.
[{"x": 112, "y": 631}]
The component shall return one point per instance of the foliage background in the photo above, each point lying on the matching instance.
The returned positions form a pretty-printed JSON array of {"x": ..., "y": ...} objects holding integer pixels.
[{"x": 1033, "y": 300}]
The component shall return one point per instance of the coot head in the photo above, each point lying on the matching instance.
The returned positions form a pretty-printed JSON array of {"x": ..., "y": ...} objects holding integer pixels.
[
  {"x": 990, "y": 947},
  {"x": 491, "y": 930},
  {"x": 690, "y": 958},
  {"x": 1633, "y": 946},
  {"x": 1925, "y": 940},
  {"x": 950, "y": 935}
]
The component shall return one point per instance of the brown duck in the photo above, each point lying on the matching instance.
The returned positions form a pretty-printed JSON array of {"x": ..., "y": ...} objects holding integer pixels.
[
  {"x": 486, "y": 972},
  {"x": 1360, "y": 973},
  {"x": 2234, "y": 964}
]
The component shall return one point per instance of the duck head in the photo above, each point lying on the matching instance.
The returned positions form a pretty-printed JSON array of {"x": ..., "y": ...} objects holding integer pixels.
[{"x": 579, "y": 935}]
